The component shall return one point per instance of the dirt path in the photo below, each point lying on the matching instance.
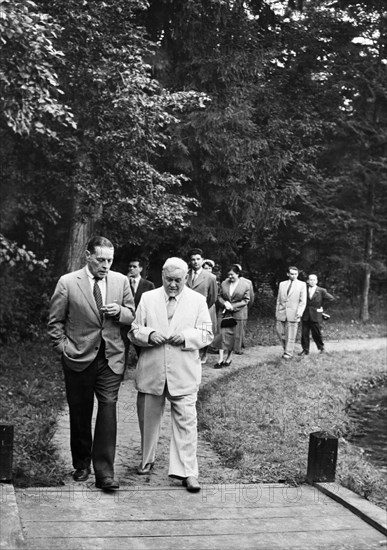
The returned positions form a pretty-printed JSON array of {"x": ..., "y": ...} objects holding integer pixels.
[{"x": 211, "y": 470}]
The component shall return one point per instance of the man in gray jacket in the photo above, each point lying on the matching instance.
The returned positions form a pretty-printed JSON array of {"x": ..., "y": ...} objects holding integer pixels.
[{"x": 86, "y": 311}]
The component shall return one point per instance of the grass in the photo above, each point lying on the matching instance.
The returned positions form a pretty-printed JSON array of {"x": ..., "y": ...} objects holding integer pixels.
[
  {"x": 32, "y": 393},
  {"x": 273, "y": 404},
  {"x": 259, "y": 418},
  {"x": 343, "y": 324}
]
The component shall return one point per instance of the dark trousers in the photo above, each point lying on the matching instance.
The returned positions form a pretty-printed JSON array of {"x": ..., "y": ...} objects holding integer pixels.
[
  {"x": 98, "y": 379},
  {"x": 314, "y": 328},
  {"x": 124, "y": 334}
]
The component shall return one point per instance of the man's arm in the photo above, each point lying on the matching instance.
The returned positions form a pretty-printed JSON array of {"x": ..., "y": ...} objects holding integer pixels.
[
  {"x": 140, "y": 334},
  {"x": 127, "y": 306},
  {"x": 57, "y": 316},
  {"x": 302, "y": 300},
  {"x": 327, "y": 297},
  {"x": 278, "y": 302},
  {"x": 212, "y": 292}
]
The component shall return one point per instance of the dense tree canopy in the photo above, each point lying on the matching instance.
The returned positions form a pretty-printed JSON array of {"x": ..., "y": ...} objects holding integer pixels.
[{"x": 254, "y": 129}]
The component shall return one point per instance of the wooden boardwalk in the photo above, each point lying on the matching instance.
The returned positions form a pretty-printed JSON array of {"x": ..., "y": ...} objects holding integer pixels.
[
  {"x": 155, "y": 512},
  {"x": 219, "y": 517}
]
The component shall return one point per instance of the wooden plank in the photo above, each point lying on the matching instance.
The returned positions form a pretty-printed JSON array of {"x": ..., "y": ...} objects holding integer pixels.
[
  {"x": 126, "y": 512},
  {"x": 165, "y": 527},
  {"x": 11, "y": 536},
  {"x": 221, "y": 516},
  {"x": 182, "y": 499},
  {"x": 274, "y": 541},
  {"x": 364, "y": 509},
  {"x": 253, "y": 495}
]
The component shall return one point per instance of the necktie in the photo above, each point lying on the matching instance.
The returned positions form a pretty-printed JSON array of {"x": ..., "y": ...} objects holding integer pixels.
[
  {"x": 132, "y": 283},
  {"x": 98, "y": 296},
  {"x": 193, "y": 277},
  {"x": 171, "y": 307},
  {"x": 289, "y": 287}
]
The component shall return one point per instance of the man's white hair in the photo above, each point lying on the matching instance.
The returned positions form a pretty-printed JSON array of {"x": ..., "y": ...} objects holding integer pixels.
[{"x": 175, "y": 263}]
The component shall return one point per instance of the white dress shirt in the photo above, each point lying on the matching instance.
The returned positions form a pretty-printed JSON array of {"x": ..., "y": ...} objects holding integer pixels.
[{"x": 101, "y": 283}]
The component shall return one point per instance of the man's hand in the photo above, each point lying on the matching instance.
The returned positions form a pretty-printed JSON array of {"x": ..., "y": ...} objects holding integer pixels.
[
  {"x": 228, "y": 305},
  {"x": 111, "y": 310},
  {"x": 157, "y": 338},
  {"x": 176, "y": 339}
]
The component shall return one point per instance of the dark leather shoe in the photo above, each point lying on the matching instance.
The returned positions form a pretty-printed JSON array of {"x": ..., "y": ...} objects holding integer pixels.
[
  {"x": 321, "y": 350},
  {"x": 107, "y": 483},
  {"x": 218, "y": 365},
  {"x": 304, "y": 352},
  {"x": 81, "y": 474},
  {"x": 143, "y": 471},
  {"x": 192, "y": 484}
]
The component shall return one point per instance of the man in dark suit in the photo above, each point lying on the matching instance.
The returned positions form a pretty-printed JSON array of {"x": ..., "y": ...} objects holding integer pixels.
[
  {"x": 138, "y": 285},
  {"x": 312, "y": 316},
  {"x": 87, "y": 310},
  {"x": 201, "y": 281}
]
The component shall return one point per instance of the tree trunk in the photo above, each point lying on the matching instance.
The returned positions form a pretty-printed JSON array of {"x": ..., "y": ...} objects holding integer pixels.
[
  {"x": 364, "y": 304},
  {"x": 80, "y": 233},
  {"x": 83, "y": 224}
]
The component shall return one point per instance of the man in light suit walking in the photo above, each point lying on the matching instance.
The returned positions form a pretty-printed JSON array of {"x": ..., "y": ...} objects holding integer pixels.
[
  {"x": 203, "y": 282},
  {"x": 86, "y": 311},
  {"x": 312, "y": 316},
  {"x": 291, "y": 302},
  {"x": 172, "y": 323}
]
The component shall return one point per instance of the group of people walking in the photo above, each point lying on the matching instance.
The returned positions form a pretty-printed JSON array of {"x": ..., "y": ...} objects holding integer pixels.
[{"x": 96, "y": 312}]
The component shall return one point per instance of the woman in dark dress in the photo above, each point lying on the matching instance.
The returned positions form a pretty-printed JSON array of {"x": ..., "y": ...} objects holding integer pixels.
[{"x": 232, "y": 301}]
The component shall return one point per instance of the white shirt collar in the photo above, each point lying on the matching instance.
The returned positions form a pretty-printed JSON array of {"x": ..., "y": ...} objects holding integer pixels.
[
  {"x": 89, "y": 274},
  {"x": 101, "y": 284},
  {"x": 166, "y": 297}
]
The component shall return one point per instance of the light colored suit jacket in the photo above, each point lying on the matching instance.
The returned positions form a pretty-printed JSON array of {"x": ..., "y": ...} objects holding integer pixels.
[
  {"x": 292, "y": 304},
  {"x": 75, "y": 325},
  {"x": 205, "y": 284},
  {"x": 238, "y": 300},
  {"x": 178, "y": 366},
  {"x": 252, "y": 293}
]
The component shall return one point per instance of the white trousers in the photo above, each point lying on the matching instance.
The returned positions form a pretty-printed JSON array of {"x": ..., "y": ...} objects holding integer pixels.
[
  {"x": 287, "y": 333},
  {"x": 183, "y": 447}
]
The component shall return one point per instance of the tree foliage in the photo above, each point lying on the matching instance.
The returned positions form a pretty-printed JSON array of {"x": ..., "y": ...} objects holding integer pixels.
[
  {"x": 255, "y": 129},
  {"x": 30, "y": 94}
]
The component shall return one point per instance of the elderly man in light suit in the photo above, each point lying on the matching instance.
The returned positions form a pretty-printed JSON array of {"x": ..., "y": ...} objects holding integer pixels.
[
  {"x": 86, "y": 312},
  {"x": 172, "y": 323},
  {"x": 291, "y": 302}
]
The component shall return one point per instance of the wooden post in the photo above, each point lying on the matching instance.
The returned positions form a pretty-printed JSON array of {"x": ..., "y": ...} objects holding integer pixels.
[
  {"x": 6, "y": 451},
  {"x": 322, "y": 457}
]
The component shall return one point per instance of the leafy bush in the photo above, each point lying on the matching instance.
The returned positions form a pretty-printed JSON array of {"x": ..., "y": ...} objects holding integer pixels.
[
  {"x": 24, "y": 281},
  {"x": 32, "y": 393}
]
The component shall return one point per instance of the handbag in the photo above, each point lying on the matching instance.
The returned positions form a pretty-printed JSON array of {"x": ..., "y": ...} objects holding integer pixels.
[{"x": 228, "y": 322}]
